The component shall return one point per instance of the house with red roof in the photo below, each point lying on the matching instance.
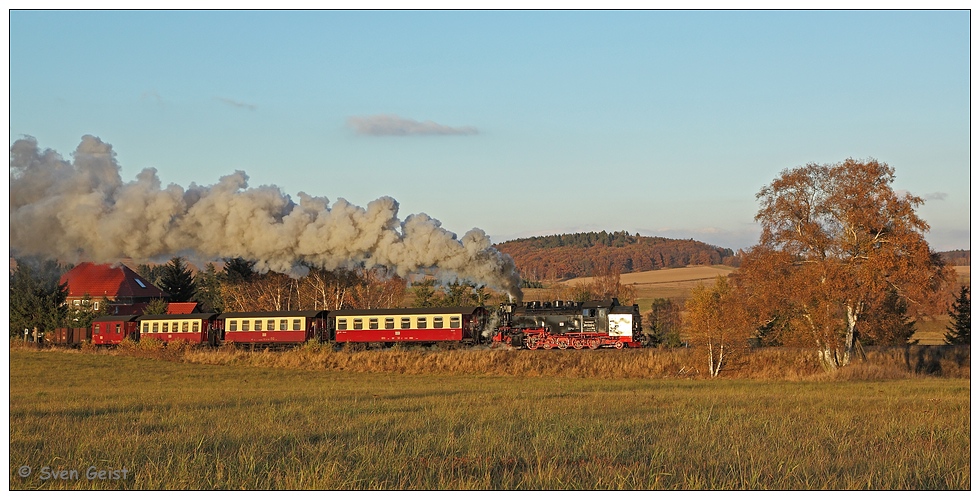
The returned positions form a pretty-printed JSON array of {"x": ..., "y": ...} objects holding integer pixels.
[{"x": 127, "y": 292}]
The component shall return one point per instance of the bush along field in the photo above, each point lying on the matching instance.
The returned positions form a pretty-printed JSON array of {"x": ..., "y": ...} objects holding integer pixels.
[{"x": 179, "y": 418}]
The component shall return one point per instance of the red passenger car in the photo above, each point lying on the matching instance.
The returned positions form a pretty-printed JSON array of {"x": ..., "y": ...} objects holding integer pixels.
[
  {"x": 111, "y": 330},
  {"x": 197, "y": 328},
  {"x": 441, "y": 324},
  {"x": 274, "y": 327}
]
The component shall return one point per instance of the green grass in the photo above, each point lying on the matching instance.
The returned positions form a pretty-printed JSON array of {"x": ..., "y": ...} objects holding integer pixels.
[{"x": 191, "y": 426}]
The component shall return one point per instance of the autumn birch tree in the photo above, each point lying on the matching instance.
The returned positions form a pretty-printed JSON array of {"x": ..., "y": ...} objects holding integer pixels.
[
  {"x": 841, "y": 240},
  {"x": 716, "y": 323}
]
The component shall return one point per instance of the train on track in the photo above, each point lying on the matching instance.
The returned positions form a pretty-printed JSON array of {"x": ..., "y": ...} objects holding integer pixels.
[{"x": 530, "y": 325}]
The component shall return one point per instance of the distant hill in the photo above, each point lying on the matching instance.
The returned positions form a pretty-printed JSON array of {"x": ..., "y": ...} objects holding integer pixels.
[
  {"x": 566, "y": 256},
  {"x": 956, "y": 257}
]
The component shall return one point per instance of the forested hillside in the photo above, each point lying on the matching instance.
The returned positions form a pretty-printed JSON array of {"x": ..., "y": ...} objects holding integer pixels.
[
  {"x": 956, "y": 257},
  {"x": 587, "y": 254}
]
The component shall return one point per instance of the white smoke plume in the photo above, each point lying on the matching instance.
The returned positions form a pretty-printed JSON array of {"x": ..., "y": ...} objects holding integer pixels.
[{"x": 83, "y": 211}]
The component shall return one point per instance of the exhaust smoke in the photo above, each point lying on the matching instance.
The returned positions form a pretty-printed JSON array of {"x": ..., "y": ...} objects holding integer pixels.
[{"x": 82, "y": 211}]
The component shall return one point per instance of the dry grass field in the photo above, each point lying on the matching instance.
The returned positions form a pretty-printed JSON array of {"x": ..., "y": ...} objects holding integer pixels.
[{"x": 177, "y": 425}]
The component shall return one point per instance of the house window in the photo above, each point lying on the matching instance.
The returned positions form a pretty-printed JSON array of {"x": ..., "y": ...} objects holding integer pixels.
[
  {"x": 341, "y": 323},
  {"x": 233, "y": 325},
  {"x": 437, "y": 322},
  {"x": 373, "y": 323},
  {"x": 95, "y": 306},
  {"x": 76, "y": 303},
  {"x": 422, "y": 322},
  {"x": 283, "y": 323},
  {"x": 297, "y": 324},
  {"x": 389, "y": 323},
  {"x": 406, "y": 323},
  {"x": 454, "y": 322}
]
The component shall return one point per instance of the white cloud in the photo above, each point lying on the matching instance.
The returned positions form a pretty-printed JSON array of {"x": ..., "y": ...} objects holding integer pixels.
[
  {"x": 237, "y": 104},
  {"x": 384, "y": 125}
]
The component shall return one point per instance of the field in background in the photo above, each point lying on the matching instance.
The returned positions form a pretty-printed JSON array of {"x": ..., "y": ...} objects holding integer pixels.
[
  {"x": 676, "y": 284},
  {"x": 193, "y": 426}
]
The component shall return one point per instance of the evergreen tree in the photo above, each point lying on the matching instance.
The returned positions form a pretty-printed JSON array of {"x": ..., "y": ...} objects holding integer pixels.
[
  {"x": 664, "y": 322},
  {"x": 423, "y": 292},
  {"x": 459, "y": 293},
  {"x": 37, "y": 300},
  {"x": 156, "y": 306},
  {"x": 177, "y": 281},
  {"x": 208, "y": 283},
  {"x": 238, "y": 270},
  {"x": 959, "y": 332}
]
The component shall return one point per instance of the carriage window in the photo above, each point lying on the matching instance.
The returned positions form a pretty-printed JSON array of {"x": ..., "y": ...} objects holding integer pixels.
[
  {"x": 283, "y": 324},
  {"x": 341, "y": 323},
  {"x": 146, "y": 328},
  {"x": 454, "y": 322},
  {"x": 233, "y": 325},
  {"x": 195, "y": 327},
  {"x": 184, "y": 327},
  {"x": 166, "y": 327},
  {"x": 390, "y": 323},
  {"x": 437, "y": 322},
  {"x": 422, "y": 322},
  {"x": 96, "y": 329},
  {"x": 296, "y": 325},
  {"x": 156, "y": 327},
  {"x": 406, "y": 323},
  {"x": 245, "y": 325},
  {"x": 270, "y": 325},
  {"x": 118, "y": 328},
  {"x": 358, "y": 324},
  {"x": 373, "y": 323},
  {"x": 175, "y": 327}
]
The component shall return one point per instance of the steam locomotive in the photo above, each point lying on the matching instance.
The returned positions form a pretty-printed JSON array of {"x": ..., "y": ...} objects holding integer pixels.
[{"x": 530, "y": 325}]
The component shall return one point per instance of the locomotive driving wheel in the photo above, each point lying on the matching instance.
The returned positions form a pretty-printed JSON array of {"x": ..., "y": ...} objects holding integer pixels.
[
  {"x": 563, "y": 343},
  {"x": 618, "y": 344},
  {"x": 594, "y": 344}
]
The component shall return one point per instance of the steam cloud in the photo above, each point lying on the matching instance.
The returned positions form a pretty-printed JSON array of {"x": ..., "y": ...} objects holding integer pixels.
[{"x": 83, "y": 211}]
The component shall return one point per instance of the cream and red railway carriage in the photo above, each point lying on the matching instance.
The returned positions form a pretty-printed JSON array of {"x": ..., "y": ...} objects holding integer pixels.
[
  {"x": 440, "y": 324},
  {"x": 196, "y": 328},
  {"x": 274, "y": 327}
]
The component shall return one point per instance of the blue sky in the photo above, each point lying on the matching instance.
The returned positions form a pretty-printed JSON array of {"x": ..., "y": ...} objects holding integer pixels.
[{"x": 520, "y": 123}]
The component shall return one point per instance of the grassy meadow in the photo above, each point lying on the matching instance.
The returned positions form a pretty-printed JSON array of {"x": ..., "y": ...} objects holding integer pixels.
[{"x": 308, "y": 419}]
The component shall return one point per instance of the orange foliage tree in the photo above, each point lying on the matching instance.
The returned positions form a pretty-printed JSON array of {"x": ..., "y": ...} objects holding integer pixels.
[
  {"x": 716, "y": 323},
  {"x": 839, "y": 251}
]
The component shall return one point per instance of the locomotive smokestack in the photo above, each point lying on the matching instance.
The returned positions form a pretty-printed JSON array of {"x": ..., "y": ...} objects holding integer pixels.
[{"x": 83, "y": 211}]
